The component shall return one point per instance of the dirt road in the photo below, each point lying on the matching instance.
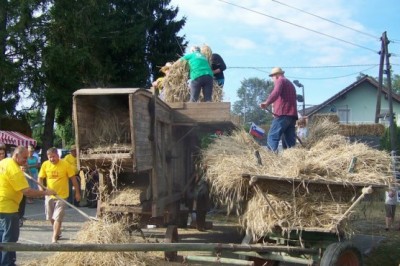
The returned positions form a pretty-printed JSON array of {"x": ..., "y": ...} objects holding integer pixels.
[{"x": 37, "y": 230}]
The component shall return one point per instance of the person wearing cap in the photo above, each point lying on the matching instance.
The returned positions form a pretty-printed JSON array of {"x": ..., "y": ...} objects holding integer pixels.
[
  {"x": 73, "y": 161},
  {"x": 201, "y": 75},
  {"x": 283, "y": 99},
  {"x": 158, "y": 84},
  {"x": 13, "y": 186}
]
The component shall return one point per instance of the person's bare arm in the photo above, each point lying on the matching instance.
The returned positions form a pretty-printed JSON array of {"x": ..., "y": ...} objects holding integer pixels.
[
  {"x": 33, "y": 193},
  {"x": 77, "y": 190}
]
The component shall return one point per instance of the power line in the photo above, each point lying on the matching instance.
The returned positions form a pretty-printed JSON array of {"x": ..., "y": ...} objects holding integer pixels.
[
  {"x": 313, "y": 78},
  {"x": 334, "y": 77},
  {"x": 331, "y": 21},
  {"x": 297, "y": 67},
  {"x": 299, "y": 26}
]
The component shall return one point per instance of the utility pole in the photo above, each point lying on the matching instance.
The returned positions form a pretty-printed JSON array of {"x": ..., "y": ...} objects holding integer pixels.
[
  {"x": 390, "y": 98},
  {"x": 380, "y": 79},
  {"x": 385, "y": 56}
]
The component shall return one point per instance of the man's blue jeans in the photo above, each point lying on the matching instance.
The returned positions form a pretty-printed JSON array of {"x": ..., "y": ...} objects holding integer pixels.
[
  {"x": 9, "y": 232},
  {"x": 282, "y": 127}
]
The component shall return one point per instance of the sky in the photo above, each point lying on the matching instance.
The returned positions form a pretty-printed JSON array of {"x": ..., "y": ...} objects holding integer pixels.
[{"x": 324, "y": 45}]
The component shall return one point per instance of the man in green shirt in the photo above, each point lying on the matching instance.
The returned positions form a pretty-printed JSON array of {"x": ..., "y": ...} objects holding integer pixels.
[{"x": 201, "y": 75}]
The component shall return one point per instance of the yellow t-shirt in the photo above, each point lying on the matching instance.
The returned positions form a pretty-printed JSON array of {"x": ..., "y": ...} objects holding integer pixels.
[
  {"x": 72, "y": 161},
  {"x": 57, "y": 176},
  {"x": 12, "y": 181}
]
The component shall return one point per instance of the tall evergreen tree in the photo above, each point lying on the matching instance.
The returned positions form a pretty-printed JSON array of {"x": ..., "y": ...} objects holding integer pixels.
[
  {"x": 104, "y": 43},
  {"x": 9, "y": 64},
  {"x": 52, "y": 48}
]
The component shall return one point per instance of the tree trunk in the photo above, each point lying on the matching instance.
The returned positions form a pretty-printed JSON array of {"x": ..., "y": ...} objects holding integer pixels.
[
  {"x": 48, "y": 132},
  {"x": 3, "y": 36}
]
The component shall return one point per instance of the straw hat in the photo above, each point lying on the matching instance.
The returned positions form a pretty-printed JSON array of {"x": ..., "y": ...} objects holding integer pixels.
[
  {"x": 166, "y": 67},
  {"x": 276, "y": 70}
]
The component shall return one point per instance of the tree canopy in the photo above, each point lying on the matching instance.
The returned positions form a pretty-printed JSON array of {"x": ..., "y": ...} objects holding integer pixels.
[
  {"x": 251, "y": 93},
  {"x": 51, "y": 48}
]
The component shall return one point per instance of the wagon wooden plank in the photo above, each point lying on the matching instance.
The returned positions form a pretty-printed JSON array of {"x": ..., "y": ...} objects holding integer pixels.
[{"x": 256, "y": 178}]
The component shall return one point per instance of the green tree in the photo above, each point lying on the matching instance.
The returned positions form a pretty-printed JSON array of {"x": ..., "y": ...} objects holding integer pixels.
[
  {"x": 103, "y": 43},
  {"x": 51, "y": 48},
  {"x": 36, "y": 122},
  {"x": 10, "y": 73},
  {"x": 252, "y": 92},
  {"x": 386, "y": 141},
  {"x": 396, "y": 83}
]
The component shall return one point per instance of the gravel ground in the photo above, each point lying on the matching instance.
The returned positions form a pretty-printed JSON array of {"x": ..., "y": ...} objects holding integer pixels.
[{"x": 37, "y": 230}]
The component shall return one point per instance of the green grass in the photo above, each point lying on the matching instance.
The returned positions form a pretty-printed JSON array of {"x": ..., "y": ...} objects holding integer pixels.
[{"x": 369, "y": 219}]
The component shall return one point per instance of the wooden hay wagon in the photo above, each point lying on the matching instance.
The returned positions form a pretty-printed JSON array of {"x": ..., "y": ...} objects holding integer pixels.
[
  {"x": 322, "y": 243},
  {"x": 144, "y": 148}
]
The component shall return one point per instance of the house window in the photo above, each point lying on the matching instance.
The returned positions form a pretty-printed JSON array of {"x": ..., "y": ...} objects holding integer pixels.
[{"x": 344, "y": 115}]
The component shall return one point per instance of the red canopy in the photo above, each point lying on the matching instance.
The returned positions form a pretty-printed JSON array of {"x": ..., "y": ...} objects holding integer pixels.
[{"x": 16, "y": 138}]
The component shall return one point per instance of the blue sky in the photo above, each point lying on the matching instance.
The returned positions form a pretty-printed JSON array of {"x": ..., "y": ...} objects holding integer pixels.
[{"x": 251, "y": 42}]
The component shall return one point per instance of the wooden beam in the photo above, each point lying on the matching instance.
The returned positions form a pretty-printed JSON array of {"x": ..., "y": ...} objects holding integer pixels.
[{"x": 256, "y": 178}]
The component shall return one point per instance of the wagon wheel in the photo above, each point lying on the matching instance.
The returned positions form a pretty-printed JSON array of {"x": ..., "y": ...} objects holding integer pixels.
[
  {"x": 341, "y": 253},
  {"x": 171, "y": 236}
]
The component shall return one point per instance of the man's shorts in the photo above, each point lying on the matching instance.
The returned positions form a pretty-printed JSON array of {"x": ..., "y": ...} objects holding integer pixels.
[{"x": 55, "y": 209}]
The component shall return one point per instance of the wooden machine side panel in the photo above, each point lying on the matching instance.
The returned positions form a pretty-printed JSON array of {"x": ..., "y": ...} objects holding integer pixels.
[
  {"x": 83, "y": 112},
  {"x": 162, "y": 183},
  {"x": 206, "y": 112},
  {"x": 140, "y": 128}
]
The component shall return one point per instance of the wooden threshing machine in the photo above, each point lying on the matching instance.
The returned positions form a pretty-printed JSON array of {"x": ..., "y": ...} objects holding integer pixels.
[{"x": 136, "y": 141}]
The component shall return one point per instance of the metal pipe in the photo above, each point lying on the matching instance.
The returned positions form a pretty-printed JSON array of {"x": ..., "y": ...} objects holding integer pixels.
[
  {"x": 63, "y": 200},
  {"x": 217, "y": 260},
  {"x": 217, "y": 247}
]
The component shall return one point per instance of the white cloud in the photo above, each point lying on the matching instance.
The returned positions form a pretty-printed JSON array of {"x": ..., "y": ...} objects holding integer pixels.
[
  {"x": 250, "y": 37},
  {"x": 240, "y": 43}
]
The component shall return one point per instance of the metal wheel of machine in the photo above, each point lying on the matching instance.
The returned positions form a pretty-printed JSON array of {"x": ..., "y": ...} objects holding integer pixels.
[
  {"x": 171, "y": 236},
  {"x": 341, "y": 253}
]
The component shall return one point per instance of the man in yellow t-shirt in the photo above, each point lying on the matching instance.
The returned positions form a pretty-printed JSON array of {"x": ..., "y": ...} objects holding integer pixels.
[
  {"x": 57, "y": 174},
  {"x": 13, "y": 185},
  {"x": 72, "y": 159}
]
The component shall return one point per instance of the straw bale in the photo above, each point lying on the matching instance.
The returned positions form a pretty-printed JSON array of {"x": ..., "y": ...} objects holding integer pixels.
[
  {"x": 319, "y": 129},
  {"x": 318, "y": 206},
  {"x": 100, "y": 232},
  {"x": 362, "y": 130},
  {"x": 225, "y": 160},
  {"x": 176, "y": 87},
  {"x": 110, "y": 127},
  {"x": 126, "y": 196},
  {"x": 302, "y": 211},
  {"x": 332, "y": 117}
]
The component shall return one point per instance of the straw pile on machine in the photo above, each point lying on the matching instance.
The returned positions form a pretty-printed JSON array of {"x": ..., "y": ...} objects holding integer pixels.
[
  {"x": 101, "y": 232},
  {"x": 176, "y": 87},
  {"x": 293, "y": 205}
]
